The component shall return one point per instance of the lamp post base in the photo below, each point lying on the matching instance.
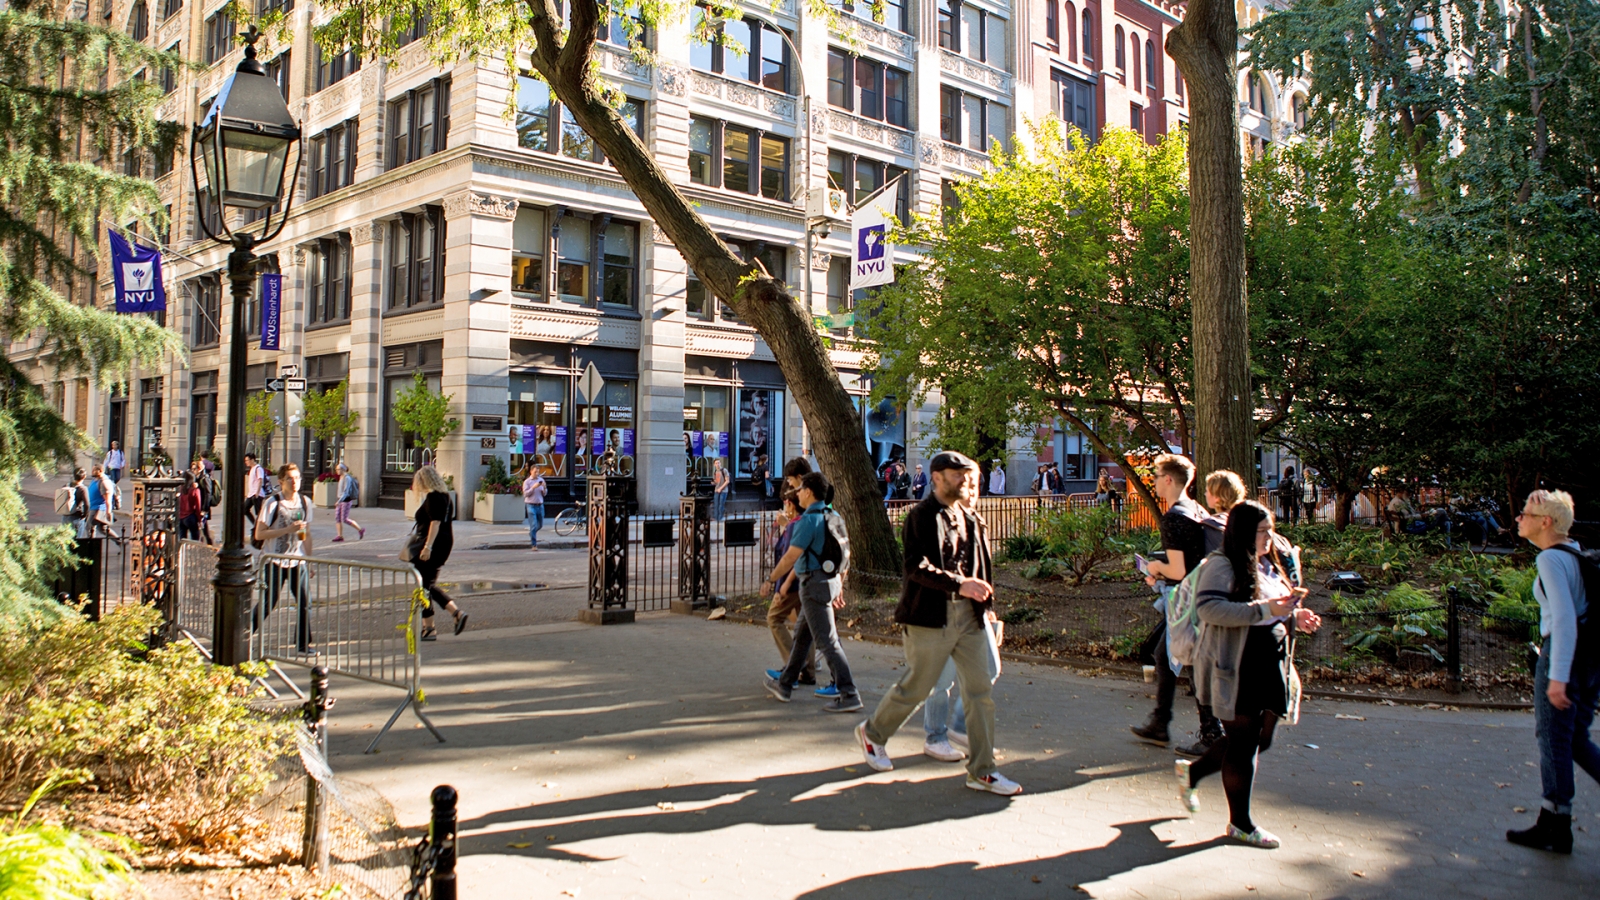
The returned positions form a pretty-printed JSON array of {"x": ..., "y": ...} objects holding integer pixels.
[{"x": 606, "y": 616}]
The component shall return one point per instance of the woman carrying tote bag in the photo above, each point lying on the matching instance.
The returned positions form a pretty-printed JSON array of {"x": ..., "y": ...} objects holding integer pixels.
[{"x": 428, "y": 547}]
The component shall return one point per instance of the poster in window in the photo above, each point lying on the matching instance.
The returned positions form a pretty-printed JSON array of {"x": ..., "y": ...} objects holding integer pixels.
[
  {"x": 627, "y": 442},
  {"x": 755, "y": 429},
  {"x": 694, "y": 444},
  {"x": 710, "y": 445},
  {"x": 558, "y": 441},
  {"x": 722, "y": 444}
]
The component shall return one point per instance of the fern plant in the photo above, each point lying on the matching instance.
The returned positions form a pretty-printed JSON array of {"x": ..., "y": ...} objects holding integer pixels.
[{"x": 42, "y": 861}]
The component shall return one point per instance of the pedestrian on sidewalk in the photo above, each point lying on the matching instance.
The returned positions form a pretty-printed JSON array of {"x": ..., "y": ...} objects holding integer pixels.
[
  {"x": 820, "y": 593},
  {"x": 794, "y": 470},
  {"x": 208, "y": 497},
  {"x": 534, "y": 489},
  {"x": 944, "y": 601},
  {"x": 786, "y": 597},
  {"x": 1242, "y": 662},
  {"x": 1183, "y": 541},
  {"x": 190, "y": 502},
  {"x": 114, "y": 463},
  {"x": 255, "y": 489},
  {"x": 72, "y": 502},
  {"x": 997, "y": 479},
  {"x": 1224, "y": 490},
  {"x": 919, "y": 483},
  {"x": 1289, "y": 495},
  {"x": 349, "y": 494},
  {"x": 101, "y": 489},
  {"x": 284, "y": 530},
  {"x": 1566, "y": 680},
  {"x": 720, "y": 484},
  {"x": 944, "y": 727},
  {"x": 428, "y": 547}
]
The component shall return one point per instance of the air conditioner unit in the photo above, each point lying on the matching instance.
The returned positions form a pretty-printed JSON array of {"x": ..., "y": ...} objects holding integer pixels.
[{"x": 829, "y": 204}]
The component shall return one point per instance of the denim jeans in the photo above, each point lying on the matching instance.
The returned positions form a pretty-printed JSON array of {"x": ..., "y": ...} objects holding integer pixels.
[
  {"x": 719, "y": 504},
  {"x": 817, "y": 629},
  {"x": 938, "y": 717},
  {"x": 1564, "y": 733},
  {"x": 535, "y": 519}
]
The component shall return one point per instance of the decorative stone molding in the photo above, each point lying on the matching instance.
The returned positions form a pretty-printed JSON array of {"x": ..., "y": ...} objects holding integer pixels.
[
  {"x": 887, "y": 38},
  {"x": 473, "y": 203},
  {"x": 744, "y": 94},
  {"x": 371, "y": 80},
  {"x": 962, "y": 158},
  {"x": 300, "y": 255},
  {"x": 672, "y": 80},
  {"x": 894, "y": 138},
  {"x": 621, "y": 62},
  {"x": 974, "y": 71},
  {"x": 327, "y": 100},
  {"x": 366, "y": 232},
  {"x": 928, "y": 150},
  {"x": 576, "y": 326},
  {"x": 819, "y": 122},
  {"x": 821, "y": 259},
  {"x": 715, "y": 341}
]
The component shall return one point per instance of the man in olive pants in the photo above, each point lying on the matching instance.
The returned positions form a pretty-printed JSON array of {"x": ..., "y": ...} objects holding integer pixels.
[{"x": 947, "y": 590}]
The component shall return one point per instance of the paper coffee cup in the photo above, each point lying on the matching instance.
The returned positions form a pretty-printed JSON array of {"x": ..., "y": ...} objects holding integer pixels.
[{"x": 1149, "y": 674}]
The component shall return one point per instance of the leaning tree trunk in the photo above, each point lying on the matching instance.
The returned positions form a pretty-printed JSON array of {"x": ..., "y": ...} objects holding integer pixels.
[
  {"x": 760, "y": 299},
  {"x": 1206, "y": 48}
]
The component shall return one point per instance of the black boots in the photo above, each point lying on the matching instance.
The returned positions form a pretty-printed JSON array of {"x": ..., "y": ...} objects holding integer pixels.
[
  {"x": 1552, "y": 832},
  {"x": 1153, "y": 731}
]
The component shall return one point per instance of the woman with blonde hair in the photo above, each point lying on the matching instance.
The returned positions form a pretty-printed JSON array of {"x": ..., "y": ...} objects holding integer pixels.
[{"x": 428, "y": 547}]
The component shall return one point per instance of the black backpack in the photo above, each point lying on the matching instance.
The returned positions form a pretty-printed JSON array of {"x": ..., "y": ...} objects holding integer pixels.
[
  {"x": 1587, "y": 650},
  {"x": 834, "y": 560}
]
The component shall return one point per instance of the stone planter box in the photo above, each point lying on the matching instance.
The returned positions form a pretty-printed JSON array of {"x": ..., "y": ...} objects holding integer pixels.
[
  {"x": 499, "y": 509},
  {"x": 414, "y": 500},
  {"x": 324, "y": 493}
]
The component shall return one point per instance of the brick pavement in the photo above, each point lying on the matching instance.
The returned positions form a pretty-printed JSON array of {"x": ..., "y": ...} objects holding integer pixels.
[{"x": 646, "y": 761}]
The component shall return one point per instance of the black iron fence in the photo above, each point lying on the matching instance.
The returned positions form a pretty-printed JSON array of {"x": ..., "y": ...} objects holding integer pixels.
[{"x": 103, "y": 579}]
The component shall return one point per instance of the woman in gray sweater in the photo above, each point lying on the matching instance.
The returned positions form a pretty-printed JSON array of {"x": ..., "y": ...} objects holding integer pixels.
[{"x": 1241, "y": 664}]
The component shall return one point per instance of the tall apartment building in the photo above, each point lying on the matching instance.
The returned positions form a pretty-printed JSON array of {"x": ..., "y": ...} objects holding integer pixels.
[{"x": 502, "y": 256}]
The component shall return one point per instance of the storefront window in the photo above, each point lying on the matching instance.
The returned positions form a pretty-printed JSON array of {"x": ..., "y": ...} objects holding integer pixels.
[
  {"x": 400, "y": 453},
  {"x": 760, "y": 431},
  {"x": 538, "y": 424},
  {"x": 705, "y": 428},
  {"x": 607, "y": 424}
]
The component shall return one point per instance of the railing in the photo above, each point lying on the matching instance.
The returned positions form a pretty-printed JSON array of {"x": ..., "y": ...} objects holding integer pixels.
[
  {"x": 103, "y": 578},
  {"x": 357, "y": 619},
  {"x": 197, "y": 598}
]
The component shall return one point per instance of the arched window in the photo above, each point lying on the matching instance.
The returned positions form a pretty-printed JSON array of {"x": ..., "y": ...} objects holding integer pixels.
[
  {"x": 1298, "y": 108},
  {"x": 1257, "y": 93},
  {"x": 1052, "y": 23},
  {"x": 1072, "y": 32},
  {"x": 1122, "y": 50},
  {"x": 1150, "y": 65},
  {"x": 139, "y": 21},
  {"x": 1177, "y": 82},
  {"x": 1133, "y": 42},
  {"x": 1088, "y": 38}
]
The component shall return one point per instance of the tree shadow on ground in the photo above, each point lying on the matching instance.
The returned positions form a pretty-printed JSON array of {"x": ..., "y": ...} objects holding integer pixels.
[
  {"x": 1135, "y": 845},
  {"x": 831, "y": 799}
]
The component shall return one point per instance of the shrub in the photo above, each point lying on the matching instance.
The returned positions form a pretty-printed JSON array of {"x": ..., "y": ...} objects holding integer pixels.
[
  {"x": 1403, "y": 618},
  {"x": 1512, "y": 607},
  {"x": 158, "y": 726},
  {"x": 1025, "y": 546},
  {"x": 496, "y": 480},
  {"x": 43, "y": 861},
  {"x": 1080, "y": 539}
]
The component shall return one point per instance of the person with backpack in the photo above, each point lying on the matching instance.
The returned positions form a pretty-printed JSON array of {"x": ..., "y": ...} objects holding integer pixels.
[
  {"x": 255, "y": 489},
  {"x": 72, "y": 504},
  {"x": 944, "y": 602},
  {"x": 786, "y": 596},
  {"x": 208, "y": 497},
  {"x": 100, "y": 493},
  {"x": 284, "y": 530},
  {"x": 1183, "y": 539},
  {"x": 819, "y": 554},
  {"x": 1242, "y": 664},
  {"x": 348, "y": 495},
  {"x": 1566, "y": 680},
  {"x": 1289, "y": 495}
]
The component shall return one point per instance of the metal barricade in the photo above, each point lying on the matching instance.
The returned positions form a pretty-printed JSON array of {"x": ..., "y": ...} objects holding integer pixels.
[
  {"x": 195, "y": 611},
  {"x": 357, "y": 619}
]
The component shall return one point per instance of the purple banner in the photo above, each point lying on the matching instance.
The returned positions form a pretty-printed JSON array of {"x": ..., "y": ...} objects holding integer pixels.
[
  {"x": 696, "y": 443},
  {"x": 598, "y": 444},
  {"x": 136, "y": 277},
  {"x": 627, "y": 442},
  {"x": 558, "y": 444},
  {"x": 722, "y": 444},
  {"x": 530, "y": 439},
  {"x": 271, "y": 306}
]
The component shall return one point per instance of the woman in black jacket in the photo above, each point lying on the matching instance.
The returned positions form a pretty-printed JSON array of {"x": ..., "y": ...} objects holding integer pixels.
[{"x": 429, "y": 546}]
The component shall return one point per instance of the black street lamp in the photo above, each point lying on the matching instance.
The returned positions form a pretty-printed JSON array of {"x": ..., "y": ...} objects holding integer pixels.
[{"x": 244, "y": 142}]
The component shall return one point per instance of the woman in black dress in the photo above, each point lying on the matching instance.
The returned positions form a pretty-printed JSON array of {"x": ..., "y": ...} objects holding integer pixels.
[
  {"x": 429, "y": 547},
  {"x": 1241, "y": 664}
]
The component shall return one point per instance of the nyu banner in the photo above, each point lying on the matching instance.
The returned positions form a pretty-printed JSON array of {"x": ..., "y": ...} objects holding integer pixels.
[
  {"x": 271, "y": 307},
  {"x": 872, "y": 260},
  {"x": 136, "y": 277}
]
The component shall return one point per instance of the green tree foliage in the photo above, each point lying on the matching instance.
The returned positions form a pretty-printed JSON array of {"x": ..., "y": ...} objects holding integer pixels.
[
  {"x": 260, "y": 420},
  {"x": 325, "y": 414},
  {"x": 1059, "y": 291},
  {"x": 425, "y": 414},
  {"x": 52, "y": 104}
]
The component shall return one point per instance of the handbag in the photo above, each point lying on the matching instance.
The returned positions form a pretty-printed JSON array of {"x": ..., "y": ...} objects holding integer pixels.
[{"x": 412, "y": 547}]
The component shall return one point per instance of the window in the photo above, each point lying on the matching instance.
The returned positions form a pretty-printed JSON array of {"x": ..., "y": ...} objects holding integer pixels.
[
  {"x": 328, "y": 281},
  {"x": 698, "y": 298},
  {"x": 876, "y": 91},
  {"x": 219, "y": 36},
  {"x": 208, "y": 213},
  {"x": 972, "y": 32},
  {"x": 1150, "y": 68},
  {"x": 948, "y": 33},
  {"x": 203, "y": 411},
  {"x": 279, "y": 70},
  {"x": 169, "y": 75},
  {"x": 1122, "y": 51},
  {"x": 619, "y": 264},
  {"x": 748, "y": 50},
  {"x": 1136, "y": 117},
  {"x": 613, "y": 29},
  {"x": 1138, "y": 81},
  {"x": 528, "y": 252},
  {"x": 414, "y": 30},
  {"x": 1070, "y": 26},
  {"x": 1052, "y": 23},
  {"x": 269, "y": 7},
  {"x": 416, "y": 254},
  {"x": 419, "y": 122},
  {"x": 747, "y": 160},
  {"x": 860, "y": 177},
  {"x": 206, "y": 322},
  {"x": 1297, "y": 107},
  {"x": 1257, "y": 93},
  {"x": 1086, "y": 44},
  {"x": 575, "y": 251},
  {"x": 949, "y": 201},
  {"x": 170, "y": 8},
  {"x": 970, "y": 120},
  {"x": 1177, "y": 82},
  {"x": 1259, "y": 148},
  {"x": 333, "y": 159},
  {"x": 1072, "y": 100},
  {"x": 538, "y": 109},
  {"x": 139, "y": 21},
  {"x": 335, "y": 68},
  {"x": 894, "y": 11}
]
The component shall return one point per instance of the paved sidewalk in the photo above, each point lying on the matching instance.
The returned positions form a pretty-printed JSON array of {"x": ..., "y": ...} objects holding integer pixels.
[{"x": 646, "y": 761}]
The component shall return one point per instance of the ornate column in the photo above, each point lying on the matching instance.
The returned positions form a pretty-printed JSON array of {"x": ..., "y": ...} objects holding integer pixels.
[{"x": 364, "y": 448}]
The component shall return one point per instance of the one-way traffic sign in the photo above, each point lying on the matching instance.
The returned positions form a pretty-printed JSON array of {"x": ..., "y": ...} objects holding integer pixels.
[
  {"x": 274, "y": 385},
  {"x": 294, "y": 384}
]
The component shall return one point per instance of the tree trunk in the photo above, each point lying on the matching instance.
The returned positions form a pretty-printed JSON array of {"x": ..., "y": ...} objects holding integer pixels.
[
  {"x": 1205, "y": 47},
  {"x": 760, "y": 299},
  {"x": 1341, "y": 509}
]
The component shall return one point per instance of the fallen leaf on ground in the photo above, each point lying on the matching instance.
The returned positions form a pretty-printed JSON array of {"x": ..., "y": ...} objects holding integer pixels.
[
  {"x": 523, "y": 845},
  {"x": 1352, "y": 718}
]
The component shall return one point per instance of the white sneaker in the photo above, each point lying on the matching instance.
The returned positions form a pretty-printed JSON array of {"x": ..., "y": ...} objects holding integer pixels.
[
  {"x": 958, "y": 740},
  {"x": 942, "y": 751},
  {"x": 1262, "y": 838},
  {"x": 1186, "y": 791},
  {"x": 995, "y": 783},
  {"x": 876, "y": 756}
]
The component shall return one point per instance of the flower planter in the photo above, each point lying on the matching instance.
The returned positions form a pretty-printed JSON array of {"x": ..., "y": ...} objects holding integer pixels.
[
  {"x": 499, "y": 509},
  {"x": 414, "y": 500},
  {"x": 324, "y": 493}
]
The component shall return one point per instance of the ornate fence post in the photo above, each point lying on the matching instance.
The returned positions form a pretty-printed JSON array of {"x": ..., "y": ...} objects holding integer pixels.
[
  {"x": 442, "y": 834},
  {"x": 694, "y": 550},
  {"x": 608, "y": 551},
  {"x": 153, "y": 559}
]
